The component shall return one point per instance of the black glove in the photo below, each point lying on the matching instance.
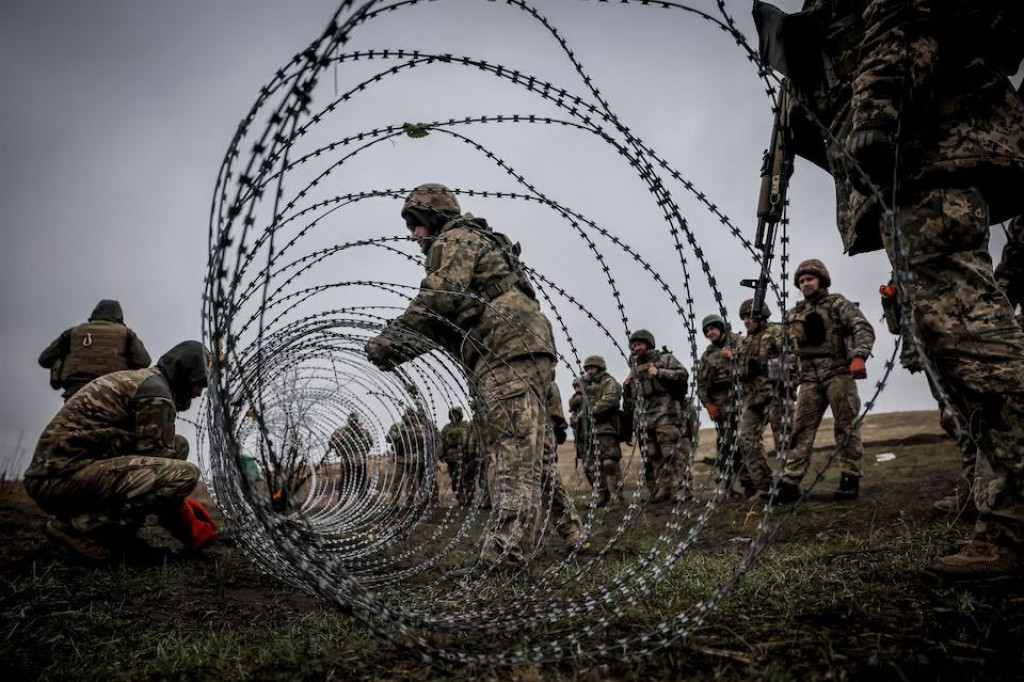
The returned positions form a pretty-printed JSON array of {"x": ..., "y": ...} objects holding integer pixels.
[
  {"x": 875, "y": 153},
  {"x": 560, "y": 434}
]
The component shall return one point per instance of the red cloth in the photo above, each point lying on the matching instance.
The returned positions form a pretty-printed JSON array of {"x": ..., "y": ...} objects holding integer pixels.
[{"x": 202, "y": 529}]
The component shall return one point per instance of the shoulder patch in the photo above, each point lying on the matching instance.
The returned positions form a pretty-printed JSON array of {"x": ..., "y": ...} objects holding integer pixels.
[{"x": 154, "y": 387}]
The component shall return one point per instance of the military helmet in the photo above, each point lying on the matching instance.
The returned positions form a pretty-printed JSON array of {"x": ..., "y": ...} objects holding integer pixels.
[
  {"x": 455, "y": 413},
  {"x": 595, "y": 361},
  {"x": 712, "y": 320},
  {"x": 814, "y": 267},
  {"x": 429, "y": 199},
  {"x": 642, "y": 335},
  {"x": 748, "y": 305}
]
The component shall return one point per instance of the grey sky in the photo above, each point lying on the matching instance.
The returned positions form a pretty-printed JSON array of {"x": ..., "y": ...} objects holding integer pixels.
[{"x": 116, "y": 114}]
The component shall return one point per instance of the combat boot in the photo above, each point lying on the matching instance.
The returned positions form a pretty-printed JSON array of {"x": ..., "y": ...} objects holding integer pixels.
[
  {"x": 88, "y": 546},
  {"x": 603, "y": 498},
  {"x": 849, "y": 487},
  {"x": 960, "y": 502},
  {"x": 788, "y": 492},
  {"x": 978, "y": 560},
  {"x": 572, "y": 534}
]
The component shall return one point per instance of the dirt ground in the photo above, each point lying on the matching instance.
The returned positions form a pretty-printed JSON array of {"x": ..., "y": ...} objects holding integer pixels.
[{"x": 841, "y": 594}]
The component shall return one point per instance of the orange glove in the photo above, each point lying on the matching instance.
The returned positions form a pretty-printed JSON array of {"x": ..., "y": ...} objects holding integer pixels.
[
  {"x": 727, "y": 354},
  {"x": 858, "y": 369},
  {"x": 713, "y": 412},
  {"x": 201, "y": 527}
]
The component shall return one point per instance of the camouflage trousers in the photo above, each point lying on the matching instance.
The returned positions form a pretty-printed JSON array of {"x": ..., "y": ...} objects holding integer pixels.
[
  {"x": 753, "y": 419},
  {"x": 968, "y": 331},
  {"x": 456, "y": 476},
  {"x": 115, "y": 495},
  {"x": 515, "y": 422},
  {"x": 667, "y": 462},
  {"x": 840, "y": 393},
  {"x": 563, "y": 509},
  {"x": 602, "y": 464}
]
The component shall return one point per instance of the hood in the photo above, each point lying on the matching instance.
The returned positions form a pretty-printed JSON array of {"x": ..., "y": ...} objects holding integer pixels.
[
  {"x": 182, "y": 366},
  {"x": 107, "y": 310}
]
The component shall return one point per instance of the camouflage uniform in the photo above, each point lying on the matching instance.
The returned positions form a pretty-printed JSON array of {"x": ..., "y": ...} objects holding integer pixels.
[
  {"x": 477, "y": 302},
  {"x": 100, "y": 346},
  {"x": 110, "y": 456},
  {"x": 578, "y": 432},
  {"x": 930, "y": 79},
  {"x": 476, "y": 468},
  {"x": 828, "y": 332},
  {"x": 716, "y": 385},
  {"x": 352, "y": 444},
  {"x": 563, "y": 510},
  {"x": 663, "y": 418},
  {"x": 410, "y": 441},
  {"x": 759, "y": 362},
  {"x": 600, "y": 411},
  {"x": 454, "y": 437}
]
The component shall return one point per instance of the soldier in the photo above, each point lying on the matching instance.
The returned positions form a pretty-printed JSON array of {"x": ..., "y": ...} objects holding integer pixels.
[
  {"x": 408, "y": 438},
  {"x": 352, "y": 444},
  {"x": 110, "y": 457},
  {"x": 100, "y": 346},
  {"x": 759, "y": 361},
  {"x": 831, "y": 341},
  {"x": 600, "y": 412},
  {"x": 575, "y": 408},
  {"x": 918, "y": 95},
  {"x": 454, "y": 439},
  {"x": 563, "y": 510},
  {"x": 716, "y": 389},
  {"x": 477, "y": 303},
  {"x": 657, "y": 384}
]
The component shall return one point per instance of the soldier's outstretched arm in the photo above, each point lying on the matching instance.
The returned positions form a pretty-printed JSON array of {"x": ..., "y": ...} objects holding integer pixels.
[
  {"x": 861, "y": 331},
  {"x": 60, "y": 347},
  {"x": 154, "y": 419}
]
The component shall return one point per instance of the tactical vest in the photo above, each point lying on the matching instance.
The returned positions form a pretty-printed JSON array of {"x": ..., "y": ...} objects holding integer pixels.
[
  {"x": 649, "y": 386},
  {"x": 452, "y": 438},
  {"x": 817, "y": 331},
  {"x": 96, "y": 348}
]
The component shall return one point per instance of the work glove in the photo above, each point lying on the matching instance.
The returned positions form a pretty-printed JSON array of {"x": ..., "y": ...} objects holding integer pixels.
[
  {"x": 199, "y": 525},
  {"x": 713, "y": 412},
  {"x": 858, "y": 369},
  {"x": 383, "y": 352},
  {"x": 560, "y": 434},
  {"x": 727, "y": 354},
  {"x": 874, "y": 152}
]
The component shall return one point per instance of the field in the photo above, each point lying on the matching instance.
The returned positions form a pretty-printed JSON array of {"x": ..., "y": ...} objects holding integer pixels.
[{"x": 840, "y": 595}]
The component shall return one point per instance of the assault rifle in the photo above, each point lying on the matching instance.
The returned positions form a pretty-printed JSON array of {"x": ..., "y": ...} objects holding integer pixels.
[{"x": 776, "y": 169}]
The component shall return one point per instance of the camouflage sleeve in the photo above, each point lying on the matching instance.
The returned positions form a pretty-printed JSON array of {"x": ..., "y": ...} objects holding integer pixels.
[
  {"x": 608, "y": 400},
  {"x": 702, "y": 380},
  {"x": 154, "y": 418},
  {"x": 671, "y": 371},
  {"x": 442, "y": 291},
  {"x": 862, "y": 334},
  {"x": 56, "y": 350},
  {"x": 898, "y": 55},
  {"x": 138, "y": 356}
]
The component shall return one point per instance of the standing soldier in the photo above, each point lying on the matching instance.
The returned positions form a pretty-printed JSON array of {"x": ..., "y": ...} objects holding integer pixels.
[
  {"x": 477, "y": 302},
  {"x": 831, "y": 341},
  {"x": 716, "y": 388},
  {"x": 454, "y": 439},
  {"x": 655, "y": 394},
  {"x": 352, "y": 444},
  {"x": 600, "y": 412},
  {"x": 761, "y": 376},
  {"x": 918, "y": 96},
  {"x": 100, "y": 346},
  {"x": 110, "y": 458},
  {"x": 408, "y": 440},
  {"x": 563, "y": 510},
  {"x": 575, "y": 408}
]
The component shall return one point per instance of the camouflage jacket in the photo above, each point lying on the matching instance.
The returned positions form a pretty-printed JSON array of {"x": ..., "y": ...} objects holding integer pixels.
[
  {"x": 554, "y": 409},
  {"x": 1010, "y": 271},
  {"x": 454, "y": 441},
  {"x": 717, "y": 373},
  {"x": 123, "y": 413},
  {"x": 474, "y": 301},
  {"x": 661, "y": 394},
  {"x": 828, "y": 331},
  {"x": 353, "y": 439},
  {"x": 602, "y": 404},
  {"x": 760, "y": 354},
  {"x": 936, "y": 73},
  {"x": 409, "y": 440}
]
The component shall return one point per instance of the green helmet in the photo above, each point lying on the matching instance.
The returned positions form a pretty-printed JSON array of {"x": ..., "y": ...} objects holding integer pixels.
[
  {"x": 712, "y": 320},
  {"x": 814, "y": 267},
  {"x": 748, "y": 305},
  {"x": 595, "y": 361},
  {"x": 455, "y": 414},
  {"x": 427, "y": 200},
  {"x": 642, "y": 335}
]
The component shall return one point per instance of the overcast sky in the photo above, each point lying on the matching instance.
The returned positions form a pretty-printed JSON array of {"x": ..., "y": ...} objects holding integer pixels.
[{"x": 116, "y": 114}]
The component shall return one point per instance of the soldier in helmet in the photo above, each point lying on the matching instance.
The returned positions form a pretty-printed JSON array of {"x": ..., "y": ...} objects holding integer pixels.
[
  {"x": 410, "y": 441},
  {"x": 351, "y": 444},
  {"x": 454, "y": 439},
  {"x": 478, "y": 304},
  {"x": 655, "y": 399},
  {"x": 100, "y": 346},
  {"x": 759, "y": 366},
  {"x": 600, "y": 412},
  {"x": 110, "y": 458},
  {"x": 831, "y": 341},
  {"x": 919, "y": 98},
  {"x": 716, "y": 388}
]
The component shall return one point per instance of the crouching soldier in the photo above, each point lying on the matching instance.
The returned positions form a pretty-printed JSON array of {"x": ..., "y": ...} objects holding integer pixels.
[
  {"x": 110, "y": 458},
  {"x": 654, "y": 398},
  {"x": 831, "y": 339}
]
